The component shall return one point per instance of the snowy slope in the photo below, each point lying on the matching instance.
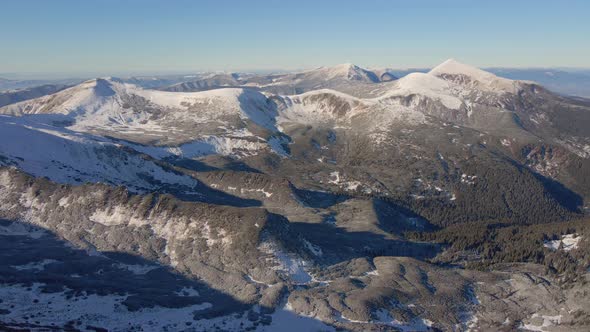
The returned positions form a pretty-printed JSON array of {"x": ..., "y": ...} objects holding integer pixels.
[
  {"x": 345, "y": 71},
  {"x": 426, "y": 85},
  {"x": 230, "y": 121},
  {"x": 205, "y": 83},
  {"x": 473, "y": 77},
  {"x": 321, "y": 106},
  {"x": 106, "y": 311},
  {"x": 69, "y": 157},
  {"x": 220, "y": 119},
  {"x": 104, "y": 102},
  {"x": 336, "y": 110},
  {"x": 242, "y": 122},
  {"x": 454, "y": 84}
]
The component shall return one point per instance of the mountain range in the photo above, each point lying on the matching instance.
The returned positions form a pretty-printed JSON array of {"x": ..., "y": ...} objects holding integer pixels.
[{"x": 334, "y": 198}]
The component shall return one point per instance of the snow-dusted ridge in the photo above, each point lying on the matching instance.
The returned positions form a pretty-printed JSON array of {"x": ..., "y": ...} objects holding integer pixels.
[
  {"x": 105, "y": 103},
  {"x": 228, "y": 121},
  {"x": 242, "y": 122},
  {"x": 474, "y": 76},
  {"x": 344, "y": 71}
]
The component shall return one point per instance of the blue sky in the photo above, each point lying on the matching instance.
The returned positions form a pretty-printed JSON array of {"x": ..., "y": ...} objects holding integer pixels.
[{"x": 110, "y": 37}]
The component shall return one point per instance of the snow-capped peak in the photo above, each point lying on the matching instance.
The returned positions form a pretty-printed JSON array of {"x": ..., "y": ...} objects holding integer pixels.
[
  {"x": 101, "y": 86},
  {"x": 463, "y": 74},
  {"x": 454, "y": 67},
  {"x": 347, "y": 71}
]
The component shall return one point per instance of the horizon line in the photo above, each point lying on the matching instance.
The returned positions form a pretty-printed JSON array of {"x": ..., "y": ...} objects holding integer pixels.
[{"x": 114, "y": 73}]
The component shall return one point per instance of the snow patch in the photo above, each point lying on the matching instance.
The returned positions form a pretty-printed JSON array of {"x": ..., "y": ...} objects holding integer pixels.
[
  {"x": 468, "y": 179},
  {"x": 20, "y": 229},
  {"x": 260, "y": 190},
  {"x": 316, "y": 250},
  {"x": 568, "y": 241},
  {"x": 136, "y": 268},
  {"x": 104, "y": 311},
  {"x": 335, "y": 178},
  {"x": 546, "y": 322},
  {"x": 187, "y": 291},
  {"x": 288, "y": 263},
  {"x": 383, "y": 317},
  {"x": 35, "y": 266}
]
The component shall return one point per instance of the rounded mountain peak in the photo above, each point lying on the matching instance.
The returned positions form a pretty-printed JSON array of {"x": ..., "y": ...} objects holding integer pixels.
[{"x": 453, "y": 70}]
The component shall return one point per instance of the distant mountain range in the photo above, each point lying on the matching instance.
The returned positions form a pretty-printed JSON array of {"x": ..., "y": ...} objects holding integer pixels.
[
  {"x": 573, "y": 82},
  {"x": 14, "y": 96},
  {"x": 335, "y": 198}
]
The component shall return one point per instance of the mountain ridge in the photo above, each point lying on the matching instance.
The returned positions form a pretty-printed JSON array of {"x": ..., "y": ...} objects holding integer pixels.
[{"x": 332, "y": 194}]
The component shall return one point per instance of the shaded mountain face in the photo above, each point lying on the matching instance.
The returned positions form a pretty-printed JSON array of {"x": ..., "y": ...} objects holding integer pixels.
[
  {"x": 15, "y": 96},
  {"x": 157, "y": 81},
  {"x": 385, "y": 74},
  {"x": 206, "y": 83},
  {"x": 341, "y": 194},
  {"x": 9, "y": 85}
]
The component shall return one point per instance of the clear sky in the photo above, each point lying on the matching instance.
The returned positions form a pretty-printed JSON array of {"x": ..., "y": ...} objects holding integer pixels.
[{"x": 117, "y": 36}]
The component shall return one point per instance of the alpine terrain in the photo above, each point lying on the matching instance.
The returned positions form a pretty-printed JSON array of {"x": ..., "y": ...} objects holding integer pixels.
[{"x": 333, "y": 199}]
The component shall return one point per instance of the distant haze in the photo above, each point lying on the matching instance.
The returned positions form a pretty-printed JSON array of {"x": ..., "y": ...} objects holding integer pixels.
[{"x": 114, "y": 37}]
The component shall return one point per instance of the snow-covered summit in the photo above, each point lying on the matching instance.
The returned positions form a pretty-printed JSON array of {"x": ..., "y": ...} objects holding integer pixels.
[
  {"x": 467, "y": 75},
  {"x": 454, "y": 67},
  {"x": 351, "y": 71},
  {"x": 347, "y": 71},
  {"x": 426, "y": 85},
  {"x": 84, "y": 96}
]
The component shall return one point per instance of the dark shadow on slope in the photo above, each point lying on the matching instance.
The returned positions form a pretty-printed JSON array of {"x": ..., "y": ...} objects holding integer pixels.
[
  {"x": 9, "y": 97},
  {"x": 190, "y": 164},
  {"x": 77, "y": 274},
  {"x": 103, "y": 88},
  {"x": 106, "y": 273},
  {"x": 259, "y": 109},
  {"x": 397, "y": 219},
  {"x": 219, "y": 162},
  {"x": 339, "y": 245},
  {"x": 213, "y": 196},
  {"x": 263, "y": 112},
  {"x": 318, "y": 199},
  {"x": 205, "y": 194},
  {"x": 563, "y": 195},
  {"x": 240, "y": 166}
]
